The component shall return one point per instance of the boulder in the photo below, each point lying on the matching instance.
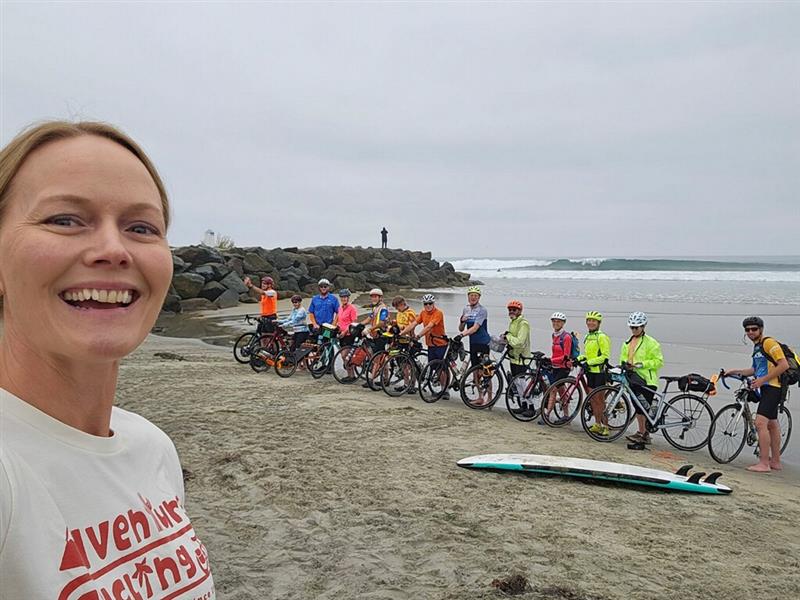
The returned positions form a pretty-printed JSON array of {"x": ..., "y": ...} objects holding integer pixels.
[
  {"x": 197, "y": 255},
  {"x": 193, "y": 304},
  {"x": 249, "y": 299},
  {"x": 178, "y": 264},
  {"x": 227, "y": 299},
  {"x": 254, "y": 263},
  {"x": 236, "y": 264},
  {"x": 220, "y": 270},
  {"x": 212, "y": 290},
  {"x": 188, "y": 285},
  {"x": 172, "y": 303},
  {"x": 280, "y": 259},
  {"x": 206, "y": 272},
  {"x": 234, "y": 283}
]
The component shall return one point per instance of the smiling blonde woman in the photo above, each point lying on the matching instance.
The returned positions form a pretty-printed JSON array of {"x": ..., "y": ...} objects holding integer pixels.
[{"x": 91, "y": 496}]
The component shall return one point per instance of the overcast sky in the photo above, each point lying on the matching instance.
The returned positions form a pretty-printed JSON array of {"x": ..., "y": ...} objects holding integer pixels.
[{"x": 538, "y": 129}]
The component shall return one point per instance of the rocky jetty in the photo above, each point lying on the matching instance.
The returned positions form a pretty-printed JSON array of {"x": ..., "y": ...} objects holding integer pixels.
[{"x": 207, "y": 278}]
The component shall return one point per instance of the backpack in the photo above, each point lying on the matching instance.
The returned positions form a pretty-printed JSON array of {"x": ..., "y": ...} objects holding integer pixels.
[
  {"x": 791, "y": 375},
  {"x": 575, "y": 350}
]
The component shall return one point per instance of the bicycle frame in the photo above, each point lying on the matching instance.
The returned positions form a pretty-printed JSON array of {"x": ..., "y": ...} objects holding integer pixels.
[{"x": 653, "y": 421}]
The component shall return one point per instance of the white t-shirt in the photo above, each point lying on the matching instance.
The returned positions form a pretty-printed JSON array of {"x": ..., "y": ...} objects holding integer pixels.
[{"x": 93, "y": 518}]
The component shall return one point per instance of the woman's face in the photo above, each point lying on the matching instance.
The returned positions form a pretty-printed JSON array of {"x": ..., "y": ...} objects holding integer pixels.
[{"x": 85, "y": 264}]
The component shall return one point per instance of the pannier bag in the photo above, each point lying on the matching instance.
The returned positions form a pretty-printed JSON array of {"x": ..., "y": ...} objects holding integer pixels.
[{"x": 695, "y": 383}]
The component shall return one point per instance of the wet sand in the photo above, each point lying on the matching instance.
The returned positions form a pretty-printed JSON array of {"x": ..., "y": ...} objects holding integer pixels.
[{"x": 309, "y": 489}]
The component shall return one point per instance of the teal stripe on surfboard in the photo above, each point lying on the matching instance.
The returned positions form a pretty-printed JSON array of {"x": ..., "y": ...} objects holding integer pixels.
[{"x": 596, "y": 470}]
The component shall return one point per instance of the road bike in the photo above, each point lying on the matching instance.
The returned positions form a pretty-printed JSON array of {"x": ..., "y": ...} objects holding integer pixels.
[
  {"x": 350, "y": 362},
  {"x": 564, "y": 398},
  {"x": 526, "y": 390},
  {"x": 482, "y": 384},
  {"x": 734, "y": 424},
  {"x": 247, "y": 343},
  {"x": 684, "y": 419},
  {"x": 442, "y": 374},
  {"x": 405, "y": 360}
]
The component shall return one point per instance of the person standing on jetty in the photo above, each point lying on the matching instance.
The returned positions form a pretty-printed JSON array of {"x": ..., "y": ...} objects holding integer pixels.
[
  {"x": 324, "y": 306},
  {"x": 384, "y": 238},
  {"x": 769, "y": 363},
  {"x": 89, "y": 492}
]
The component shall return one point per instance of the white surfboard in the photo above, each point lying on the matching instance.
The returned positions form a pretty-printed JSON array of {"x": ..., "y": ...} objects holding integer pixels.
[{"x": 682, "y": 480}]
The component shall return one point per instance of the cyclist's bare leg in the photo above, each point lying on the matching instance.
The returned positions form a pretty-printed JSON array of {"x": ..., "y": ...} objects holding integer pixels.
[
  {"x": 774, "y": 429},
  {"x": 764, "y": 445},
  {"x": 599, "y": 408},
  {"x": 642, "y": 423}
]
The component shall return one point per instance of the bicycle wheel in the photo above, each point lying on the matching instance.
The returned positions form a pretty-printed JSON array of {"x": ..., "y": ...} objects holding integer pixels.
[
  {"x": 348, "y": 364},
  {"x": 694, "y": 416},
  {"x": 322, "y": 364},
  {"x": 373, "y": 370},
  {"x": 727, "y": 434},
  {"x": 481, "y": 386},
  {"x": 261, "y": 360},
  {"x": 241, "y": 349},
  {"x": 398, "y": 375},
  {"x": 524, "y": 395},
  {"x": 285, "y": 363},
  {"x": 434, "y": 381},
  {"x": 785, "y": 422},
  {"x": 616, "y": 412},
  {"x": 567, "y": 400}
]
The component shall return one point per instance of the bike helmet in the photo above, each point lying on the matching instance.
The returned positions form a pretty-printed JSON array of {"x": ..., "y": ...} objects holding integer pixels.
[
  {"x": 428, "y": 298},
  {"x": 343, "y": 293},
  {"x": 514, "y": 304},
  {"x": 757, "y": 321},
  {"x": 268, "y": 280},
  {"x": 593, "y": 314},
  {"x": 474, "y": 290},
  {"x": 637, "y": 319},
  {"x": 323, "y": 281},
  {"x": 297, "y": 298},
  {"x": 376, "y": 292},
  {"x": 558, "y": 315}
]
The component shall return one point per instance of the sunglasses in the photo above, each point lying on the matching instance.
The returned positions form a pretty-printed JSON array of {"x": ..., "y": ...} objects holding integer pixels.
[
  {"x": 427, "y": 304},
  {"x": 636, "y": 326},
  {"x": 749, "y": 329},
  {"x": 513, "y": 310}
]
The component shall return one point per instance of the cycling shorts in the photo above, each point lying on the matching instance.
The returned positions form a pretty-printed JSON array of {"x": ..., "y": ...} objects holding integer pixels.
[
  {"x": 436, "y": 352},
  {"x": 594, "y": 380},
  {"x": 770, "y": 402},
  {"x": 476, "y": 351}
]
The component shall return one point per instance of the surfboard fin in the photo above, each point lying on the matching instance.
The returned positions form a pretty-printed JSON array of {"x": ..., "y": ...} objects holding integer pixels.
[
  {"x": 695, "y": 478},
  {"x": 713, "y": 477},
  {"x": 684, "y": 470}
]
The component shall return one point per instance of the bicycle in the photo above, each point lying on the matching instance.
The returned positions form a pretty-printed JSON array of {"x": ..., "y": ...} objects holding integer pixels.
[
  {"x": 680, "y": 418},
  {"x": 439, "y": 375},
  {"x": 487, "y": 378},
  {"x": 401, "y": 369},
  {"x": 349, "y": 363},
  {"x": 734, "y": 424},
  {"x": 247, "y": 343},
  {"x": 272, "y": 343},
  {"x": 527, "y": 389},
  {"x": 313, "y": 354},
  {"x": 372, "y": 372},
  {"x": 567, "y": 394}
]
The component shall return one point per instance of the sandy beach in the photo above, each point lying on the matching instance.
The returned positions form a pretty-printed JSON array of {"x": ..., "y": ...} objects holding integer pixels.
[{"x": 309, "y": 489}]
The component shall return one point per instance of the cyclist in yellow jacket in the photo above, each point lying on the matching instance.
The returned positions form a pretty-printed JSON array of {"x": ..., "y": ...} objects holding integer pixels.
[
  {"x": 596, "y": 353},
  {"x": 643, "y": 353}
]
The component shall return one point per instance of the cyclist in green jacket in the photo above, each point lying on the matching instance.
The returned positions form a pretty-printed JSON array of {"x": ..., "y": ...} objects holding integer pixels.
[
  {"x": 518, "y": 338},
  {"x": 597, "y": 352},
  {"x": 643, "y": 353}
]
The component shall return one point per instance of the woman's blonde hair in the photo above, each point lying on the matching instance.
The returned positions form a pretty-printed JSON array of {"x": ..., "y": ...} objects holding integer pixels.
[{"x": 17, "y": 151}]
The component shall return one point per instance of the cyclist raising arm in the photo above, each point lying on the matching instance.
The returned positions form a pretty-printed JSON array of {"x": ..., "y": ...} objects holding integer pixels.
[
  {"x": 643, "y": 353},
  {"x": 769, "y": 362}
]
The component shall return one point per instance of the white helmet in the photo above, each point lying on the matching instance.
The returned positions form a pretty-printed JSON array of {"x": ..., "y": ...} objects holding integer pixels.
[
  {"x": 558, "y": 315},
  {"x": 324, "y": 282},
  {"x": 376, "y": 292},
  {"x": 637, "y": 319},
  {"x": 428, "y": 298}
]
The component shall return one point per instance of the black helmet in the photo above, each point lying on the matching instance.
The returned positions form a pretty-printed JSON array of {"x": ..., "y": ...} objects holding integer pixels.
[{"x": 757, "y": 321}]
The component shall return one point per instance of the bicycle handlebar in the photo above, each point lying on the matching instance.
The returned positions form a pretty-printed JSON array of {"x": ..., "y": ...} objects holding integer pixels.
[{"x": 723, "y": 377}]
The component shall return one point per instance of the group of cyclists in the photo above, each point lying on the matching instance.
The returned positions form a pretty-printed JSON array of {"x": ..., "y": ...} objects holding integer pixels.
[{"x": 640, "y": 354}]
